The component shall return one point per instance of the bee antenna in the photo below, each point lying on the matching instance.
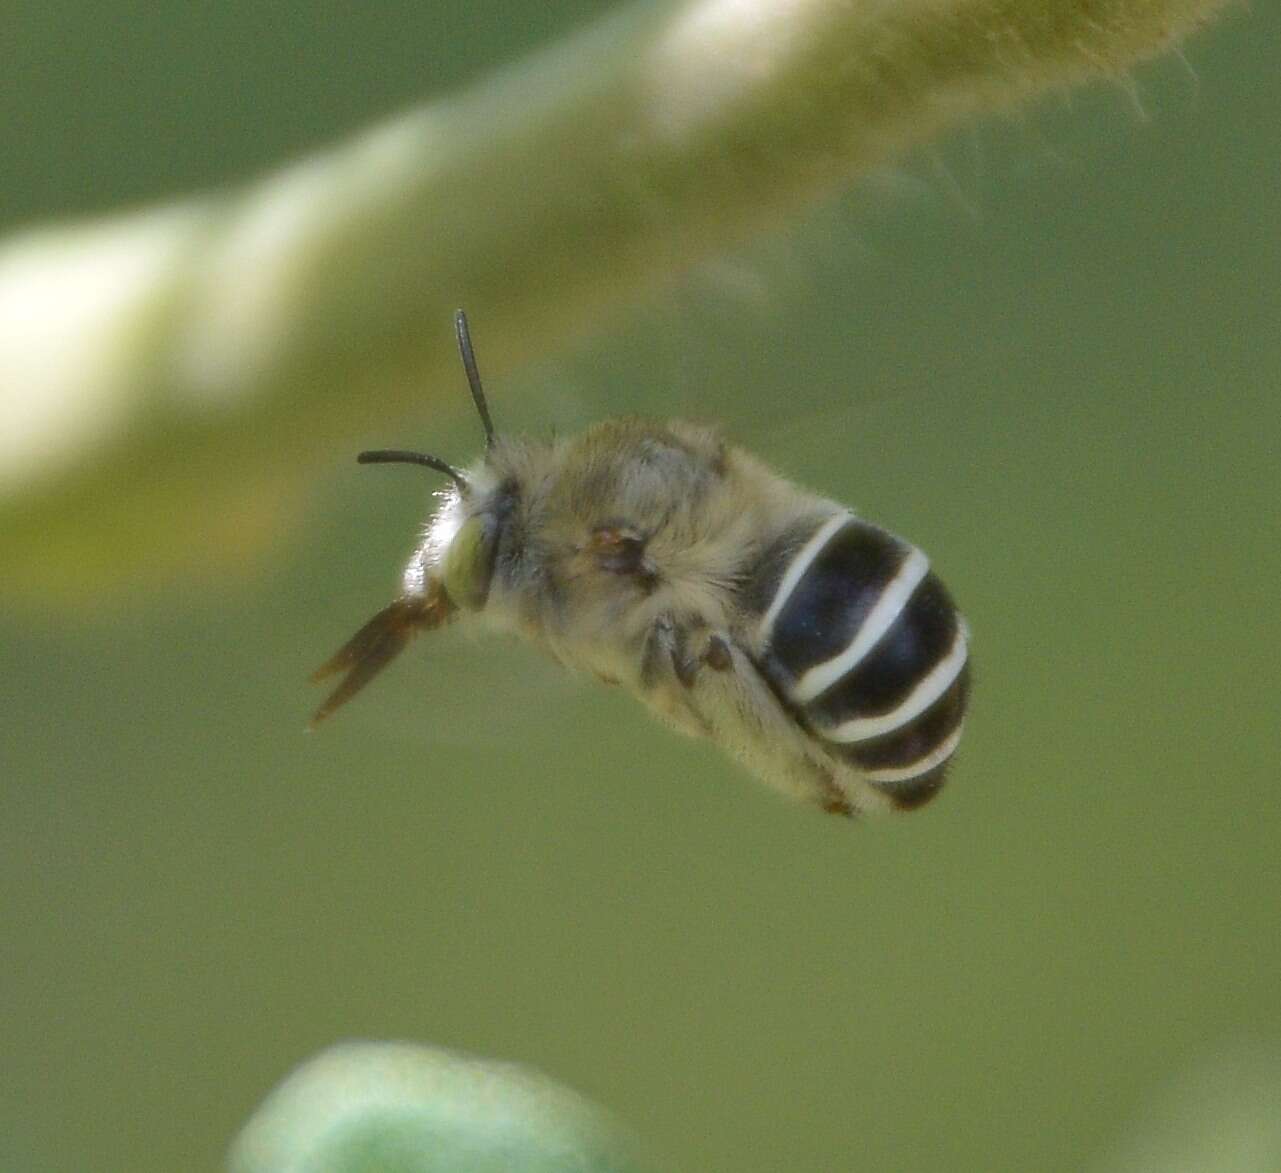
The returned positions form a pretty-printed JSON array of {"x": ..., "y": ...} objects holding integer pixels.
[
  {"x": 473, "y": 375},
  {"x": 434, "y": 462}
]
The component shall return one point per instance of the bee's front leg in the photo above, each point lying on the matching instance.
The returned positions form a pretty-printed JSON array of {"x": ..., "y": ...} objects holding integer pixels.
[
  {"x": 682, "y": 649},
  {"x": 669, "y": 669},
  {"x": 716, "y": 654}
]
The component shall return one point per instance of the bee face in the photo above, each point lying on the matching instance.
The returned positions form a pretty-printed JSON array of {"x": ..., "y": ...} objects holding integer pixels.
[{"x": 819, "y": 649}]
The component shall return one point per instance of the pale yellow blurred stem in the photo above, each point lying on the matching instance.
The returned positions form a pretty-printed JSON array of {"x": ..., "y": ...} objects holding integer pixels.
[{"x": 170, "y": 379}]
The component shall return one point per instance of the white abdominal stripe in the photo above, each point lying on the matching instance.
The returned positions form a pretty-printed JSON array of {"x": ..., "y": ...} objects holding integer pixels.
[
  {"x": 931, "y": 761},
  {"x": 866, "y": 643},
  {"x": 888, "y": 608},
  {"x": 799, "y": 565},
  {"x": 941, "y": 677}
]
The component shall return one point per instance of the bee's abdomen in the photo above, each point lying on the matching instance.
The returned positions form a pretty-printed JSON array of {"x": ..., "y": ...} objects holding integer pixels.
[{"x": 865, "y": 646}]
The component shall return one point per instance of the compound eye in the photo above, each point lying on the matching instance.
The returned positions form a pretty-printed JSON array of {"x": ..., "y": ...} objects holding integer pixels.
[
  {"x": 469, "y": 562},
  {"x": 619, "y": 549}
]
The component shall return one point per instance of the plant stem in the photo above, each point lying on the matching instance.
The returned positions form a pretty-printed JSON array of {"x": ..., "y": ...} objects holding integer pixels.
[{"x": 169, "y": 379}]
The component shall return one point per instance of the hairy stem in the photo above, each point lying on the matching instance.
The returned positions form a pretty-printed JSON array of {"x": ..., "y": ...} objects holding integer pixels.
[{"x": 169, "y": 379}]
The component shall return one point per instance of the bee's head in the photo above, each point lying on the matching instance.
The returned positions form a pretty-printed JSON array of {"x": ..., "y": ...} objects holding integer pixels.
[
  {"x": 451, "y": 570},
  {"x": 463, "y": 538}
]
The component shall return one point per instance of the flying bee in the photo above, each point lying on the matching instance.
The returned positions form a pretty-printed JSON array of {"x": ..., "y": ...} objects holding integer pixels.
[{"x": 817, "y": 648}]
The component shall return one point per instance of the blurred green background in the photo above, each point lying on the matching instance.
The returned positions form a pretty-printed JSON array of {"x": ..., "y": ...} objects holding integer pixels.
[{"x": 1048, "y": 349}]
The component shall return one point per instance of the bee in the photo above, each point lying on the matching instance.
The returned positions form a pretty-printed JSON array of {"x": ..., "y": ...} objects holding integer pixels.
[{"x": 815, "y": 647}]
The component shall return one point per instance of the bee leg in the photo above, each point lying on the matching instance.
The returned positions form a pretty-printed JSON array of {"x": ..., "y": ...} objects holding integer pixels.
[
  {"x": 668, "y": 672},
  {"x": 667, "y": 647},
  {"x": 834, "y": 801},
  {"x": 738, "y": 708},
  {"x": 670, "y": 640},
  {"x": 717, "y": 655}
]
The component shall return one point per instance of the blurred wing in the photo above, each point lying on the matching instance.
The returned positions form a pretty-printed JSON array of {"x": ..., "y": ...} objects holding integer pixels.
[{"x": 379, "y": 642}]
